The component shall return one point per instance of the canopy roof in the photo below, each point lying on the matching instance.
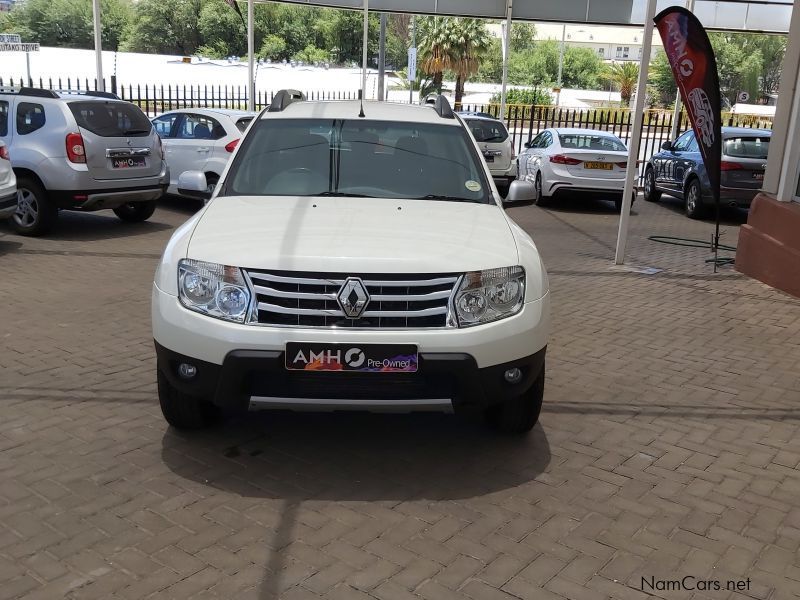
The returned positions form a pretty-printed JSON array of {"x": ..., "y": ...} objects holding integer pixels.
[{"x": 737, "y": 15}]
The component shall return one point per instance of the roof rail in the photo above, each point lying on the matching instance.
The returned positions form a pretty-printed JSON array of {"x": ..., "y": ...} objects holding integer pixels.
[
  {"x": 441, "y": 105},
  {"x": 284, "y": 98},
  {"x": 36, "y": 92},
  {"x": 94, "y": 93}
]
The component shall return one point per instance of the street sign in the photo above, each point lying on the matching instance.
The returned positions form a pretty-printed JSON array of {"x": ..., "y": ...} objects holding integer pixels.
[
  {"x": 412, "y": 64},
  {"x": 743, "y": 96},
  {"x": 12, "y": 42}
]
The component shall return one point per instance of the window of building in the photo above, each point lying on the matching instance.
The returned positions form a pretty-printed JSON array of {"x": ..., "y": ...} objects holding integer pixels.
[{"x": 601, "y": 51}]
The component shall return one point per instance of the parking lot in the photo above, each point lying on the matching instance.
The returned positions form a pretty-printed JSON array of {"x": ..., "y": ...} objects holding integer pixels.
[{"x": 669, "y": 444}]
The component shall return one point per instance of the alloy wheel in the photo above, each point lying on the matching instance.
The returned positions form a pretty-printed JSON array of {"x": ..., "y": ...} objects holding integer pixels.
[{"x": 27, "y": 208}]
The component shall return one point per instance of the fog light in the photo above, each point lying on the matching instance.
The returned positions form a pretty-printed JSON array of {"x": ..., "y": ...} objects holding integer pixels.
[
  {"x": 513, "y": 375},
  {"x": 188, "y": 371}
]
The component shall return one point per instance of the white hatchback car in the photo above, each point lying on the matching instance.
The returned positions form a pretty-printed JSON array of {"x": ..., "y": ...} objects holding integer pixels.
[
  {"x": 563, "y": 161},
  {"x": 8, "y": 185},
  {"x": 200, "y": 139},
  {"x": 352, "y": 258}
]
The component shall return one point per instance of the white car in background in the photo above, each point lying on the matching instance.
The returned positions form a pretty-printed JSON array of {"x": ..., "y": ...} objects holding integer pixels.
[
  {"x": 8, "y": 185},
  {"x": 200, "y": 139},
  {"x": 564, "y": 161},
  {"x": 496, "y": 147}
]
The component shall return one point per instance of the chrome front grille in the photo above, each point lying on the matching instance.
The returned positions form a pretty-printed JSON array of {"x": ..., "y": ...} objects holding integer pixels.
[{"x": 288, "y": 298}]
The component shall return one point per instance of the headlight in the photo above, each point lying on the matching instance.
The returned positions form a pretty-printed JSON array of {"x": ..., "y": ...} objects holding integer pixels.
[
  {"x": 490, "y": 295},
  {"x": 215, "y": 290}
]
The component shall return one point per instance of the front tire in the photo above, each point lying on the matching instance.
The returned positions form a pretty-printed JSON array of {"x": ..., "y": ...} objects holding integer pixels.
[
  {"x": 694, "y": 200},
  {"x": 183, "y": 411},
  {"x": 651, "y": 194},
  {"x": 136, "y": 212},
  {"x": 519, "y": 415},
  {"x": 36, "y": 214}
]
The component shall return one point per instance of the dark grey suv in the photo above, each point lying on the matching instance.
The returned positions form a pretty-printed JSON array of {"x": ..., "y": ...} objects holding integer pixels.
[
  {"x": 79, "y": 151},
  {"x": 678, "y": 170}
]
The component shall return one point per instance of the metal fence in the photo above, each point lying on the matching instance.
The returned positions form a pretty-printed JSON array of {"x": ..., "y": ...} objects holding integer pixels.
[{"x": 523, "y": 121}]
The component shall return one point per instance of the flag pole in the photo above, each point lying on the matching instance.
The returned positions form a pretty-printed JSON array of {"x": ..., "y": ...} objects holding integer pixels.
[
  {"x": 636, "y": 135},
  {"x": 365, "y": 46},
  {"x": 251, "y": 80}
]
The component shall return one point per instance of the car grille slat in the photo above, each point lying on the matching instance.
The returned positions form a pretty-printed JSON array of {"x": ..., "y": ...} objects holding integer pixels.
[{"x": 301, "y": 299}]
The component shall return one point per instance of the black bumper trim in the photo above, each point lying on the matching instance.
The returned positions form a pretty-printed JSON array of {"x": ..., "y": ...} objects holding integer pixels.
[
  {"x": 8, "y": 201},
  {"x": 246, "y": 373}
]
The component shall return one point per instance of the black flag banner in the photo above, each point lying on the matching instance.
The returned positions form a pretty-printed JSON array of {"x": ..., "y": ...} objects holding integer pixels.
[
  {"x": 235, "y": 6},
  {"x": 695, "y": 69}
]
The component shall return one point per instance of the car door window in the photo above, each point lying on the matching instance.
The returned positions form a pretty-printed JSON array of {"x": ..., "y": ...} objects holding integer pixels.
[
  {"x": 547, "y": 140},
  {"x": 30, "y": 117},
  {"x": 534, "y": 143},
  {"x": 200, "y": 127},
  {"x": 682, "y": 143},
  {"x": 693, "y": 145},
  {"x": 3, "y": 118},
  {"x": 165, "y": 125}
]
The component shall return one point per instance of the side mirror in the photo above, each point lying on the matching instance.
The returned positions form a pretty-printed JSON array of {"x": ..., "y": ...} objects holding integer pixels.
[
  {"x": 194, "y": 185},
  {"x": 528, "y": 144},
  {"x": 666, "y": 145},
  {"x": 521, "y": 191}
]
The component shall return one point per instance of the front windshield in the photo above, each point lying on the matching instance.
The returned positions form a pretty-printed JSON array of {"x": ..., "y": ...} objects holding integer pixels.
[{"x": 375, "y": 159}]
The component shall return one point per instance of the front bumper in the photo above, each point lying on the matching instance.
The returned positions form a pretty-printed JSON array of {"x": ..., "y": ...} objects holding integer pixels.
[
  {"x": 238, "y": 362},
  {"x": 252, "y": 379}
]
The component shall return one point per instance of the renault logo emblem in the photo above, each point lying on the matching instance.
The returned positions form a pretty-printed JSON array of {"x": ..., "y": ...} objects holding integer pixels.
[{"x": 353, "y": 297}]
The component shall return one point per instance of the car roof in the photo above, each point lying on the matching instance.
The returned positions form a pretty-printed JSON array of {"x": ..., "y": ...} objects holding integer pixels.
[
  {"x": 349, "y": 109},
  {"x": 221, "y": 111},
  {"x": 745, "y": 131}
]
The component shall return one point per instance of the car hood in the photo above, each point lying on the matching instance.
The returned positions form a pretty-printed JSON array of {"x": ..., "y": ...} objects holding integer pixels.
[{"x": 358, "y": 235}]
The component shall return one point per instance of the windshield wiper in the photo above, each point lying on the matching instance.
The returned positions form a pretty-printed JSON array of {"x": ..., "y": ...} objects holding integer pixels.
[
  {"x": 448, "y": 198},
  {"x": 340, "y": 195}
]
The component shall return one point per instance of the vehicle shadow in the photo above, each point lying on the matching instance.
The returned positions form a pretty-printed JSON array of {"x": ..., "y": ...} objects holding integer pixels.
[
  {"x": 351, "y": 457},
  {"x": 586, "y": 205},
  {"x": 727, "y": 214},
  {"x": 178, "y": 204},
  {"x": 8, "y": 246},
  {"x": 101, "y": 225}
]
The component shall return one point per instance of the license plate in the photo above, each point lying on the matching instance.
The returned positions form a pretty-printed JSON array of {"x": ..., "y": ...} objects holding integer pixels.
[
  {"x": 598, "y": 165},
  {"x": 758, "y": 176},
  {"x": 375, "y": 358},
  {"x": 129, "y": 162}
]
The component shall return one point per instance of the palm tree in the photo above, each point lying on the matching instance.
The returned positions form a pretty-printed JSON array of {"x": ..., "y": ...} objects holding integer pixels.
[
  {"x": 451, "y": 44},
  {"x": 625, "y": 76}
]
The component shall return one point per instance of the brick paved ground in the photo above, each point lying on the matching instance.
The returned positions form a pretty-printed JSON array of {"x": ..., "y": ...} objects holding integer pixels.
[{"x": 669, "y": 444}]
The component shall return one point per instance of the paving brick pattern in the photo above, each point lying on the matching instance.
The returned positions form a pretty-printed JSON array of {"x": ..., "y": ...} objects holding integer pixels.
[{"x": 669, "y": 444}]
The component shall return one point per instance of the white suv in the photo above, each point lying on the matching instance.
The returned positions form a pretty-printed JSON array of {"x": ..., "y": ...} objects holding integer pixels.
[{"x": 352, "y": 258}]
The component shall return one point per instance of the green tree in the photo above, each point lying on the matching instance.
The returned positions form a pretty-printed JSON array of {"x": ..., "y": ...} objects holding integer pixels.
[
  {"x": 748, "y": 62},
  {"x": 451, "y": 44},
  {"x": 273, "y": 48},
  {"x": 624, "y": 76},
  {"x": 165, "y": 27},
  {"x": 523, "y": 37},
  {"x": 221, "y": 29},
  {"x": 312, "y": 55},
  {"x": 68, "y": 23},
  {"x": 582, "y": 68},
  {"x": 661, "y": 81},
  {"x": 530, "y": 96}
]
